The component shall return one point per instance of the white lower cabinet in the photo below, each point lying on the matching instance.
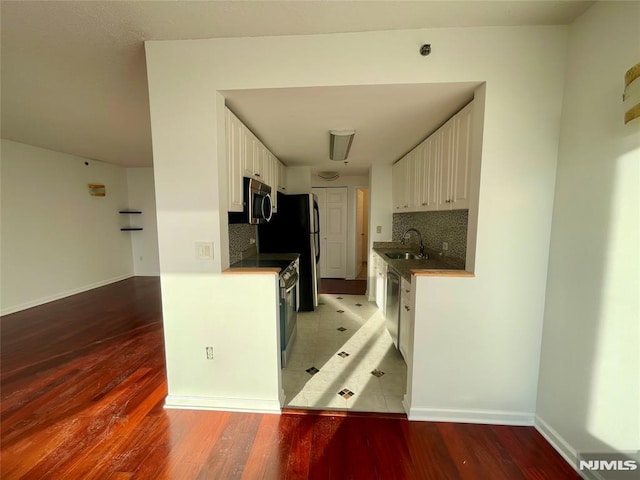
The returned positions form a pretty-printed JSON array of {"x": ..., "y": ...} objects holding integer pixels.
[{"x": 405, "y": 334}]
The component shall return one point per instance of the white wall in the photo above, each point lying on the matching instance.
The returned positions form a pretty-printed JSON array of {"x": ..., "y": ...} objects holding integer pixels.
[
  {"x": 58, "y": 240},
  {"x": 144, "y": 244},
  {"x": 380, "y": 215},
  {"x": 523, "y": 70},
  {"x": 298, "y": 180},
  {"x": 588, "y": 397}
]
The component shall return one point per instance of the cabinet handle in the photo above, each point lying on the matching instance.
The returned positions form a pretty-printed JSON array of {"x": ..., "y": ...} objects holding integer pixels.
[
  {"x": 406, "y": 308},
  {"x": 406, "y": 206},
  {"x": 424, "y": 203},
  {"x": 257, "y": 175},
  {"x": 408, "y": 291},
  {"x": 448, "y": 201}
]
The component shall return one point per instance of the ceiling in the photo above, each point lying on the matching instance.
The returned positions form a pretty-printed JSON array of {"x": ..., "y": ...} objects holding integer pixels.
[{"x": 74, "y": 76}]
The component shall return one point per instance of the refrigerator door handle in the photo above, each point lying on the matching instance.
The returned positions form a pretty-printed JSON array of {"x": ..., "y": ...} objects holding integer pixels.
[{"x": 316, "y": 214}]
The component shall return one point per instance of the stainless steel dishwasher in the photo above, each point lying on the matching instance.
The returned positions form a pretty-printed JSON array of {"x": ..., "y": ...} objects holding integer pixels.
[{"x": 392, "y": 310}]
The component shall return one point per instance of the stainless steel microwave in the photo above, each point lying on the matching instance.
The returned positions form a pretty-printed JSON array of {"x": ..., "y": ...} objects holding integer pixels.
[{"x": 256, "y": 201}]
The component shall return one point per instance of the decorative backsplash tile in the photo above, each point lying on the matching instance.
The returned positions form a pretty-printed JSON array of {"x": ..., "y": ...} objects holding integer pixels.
[
  {"x": 240, "y": 235},
  {"x": 436, "y": 227}
]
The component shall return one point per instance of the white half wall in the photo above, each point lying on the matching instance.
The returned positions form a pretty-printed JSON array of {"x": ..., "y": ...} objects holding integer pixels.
[
  {"x": 241, "y": 322},
  {"x": 523, "y": 68},
  {"x": 144, "y": 244},
  {"x": 57, "y": 240},
  {"x": 589, "y": 386}
]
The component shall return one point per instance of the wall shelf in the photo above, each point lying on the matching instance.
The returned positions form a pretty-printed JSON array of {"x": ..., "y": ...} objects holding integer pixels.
[{"x": 128, "y": 227}]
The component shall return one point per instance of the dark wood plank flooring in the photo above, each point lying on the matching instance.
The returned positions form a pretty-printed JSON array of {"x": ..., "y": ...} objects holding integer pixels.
[
  {"x": 83, "y": 385},
  {"x": 348, "y": 287}
]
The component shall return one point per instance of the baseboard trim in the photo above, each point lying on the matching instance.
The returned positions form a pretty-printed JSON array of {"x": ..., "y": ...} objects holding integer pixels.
[
  {"x": 248, "y": 405},
  {"x": 561, "y": 446},
  {"x": 57, "y": 296},
  {"x": 489, "y": 417}
]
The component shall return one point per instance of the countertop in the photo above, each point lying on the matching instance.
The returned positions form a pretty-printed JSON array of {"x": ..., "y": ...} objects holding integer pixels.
[
  {"x": 435, "y": 265},
  {"x": 266, "y": 261}
]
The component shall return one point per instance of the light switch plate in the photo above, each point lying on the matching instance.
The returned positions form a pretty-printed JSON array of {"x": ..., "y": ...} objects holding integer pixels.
[
  {"x": 204, "y": 250},
  {"x": 379, "y": 229}
]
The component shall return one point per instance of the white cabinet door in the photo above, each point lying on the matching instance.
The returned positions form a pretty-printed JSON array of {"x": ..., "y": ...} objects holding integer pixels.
[
  {"x": 273, "y": 179},
  {"x": 397, "y": 173},
  {"x": 405, "y": 335},
  {"x": 282, "y": 177},
  {"x": 446, "y": 163},
  {"x": 411, "y": 180},
  {"x": 428, "y": 174},
  {"x": 235, "y": 148},
  {"x": 332, "y": 204},
  {"x": 250, "y": 148},
  {"x": 462, "y": 159}
]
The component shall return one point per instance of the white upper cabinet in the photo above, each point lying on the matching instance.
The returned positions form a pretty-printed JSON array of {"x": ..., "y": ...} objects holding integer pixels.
[
  {"x": 435, "y": 174},
  {"x": 248, "y": 157},
  {"x": 398, "y": 179},
  {"x": 235, "y": 148},
  {"x": 428, "y": 174},
  {"x": 282, "y": 177},
  {"x": 447, "y": 154},
  {"x": 462, "y": 159}
]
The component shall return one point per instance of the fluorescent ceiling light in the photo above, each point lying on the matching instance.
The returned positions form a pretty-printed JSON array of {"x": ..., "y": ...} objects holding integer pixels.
[{"x": 340, "y": 144}]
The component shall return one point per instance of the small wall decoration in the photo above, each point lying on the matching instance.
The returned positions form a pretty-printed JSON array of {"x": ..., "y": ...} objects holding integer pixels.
[
  {"x": 631, "y": 97},
  {"x": 97, "y": 190}
]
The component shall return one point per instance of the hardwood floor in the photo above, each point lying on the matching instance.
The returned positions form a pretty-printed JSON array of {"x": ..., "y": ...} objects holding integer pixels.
[
  {"x": 83, "y": 385},
  {"x": 348, "y": 287}
]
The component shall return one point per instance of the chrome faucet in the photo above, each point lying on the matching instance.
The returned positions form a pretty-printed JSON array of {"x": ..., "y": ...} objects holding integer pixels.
[{"x": 404, "y": 236}]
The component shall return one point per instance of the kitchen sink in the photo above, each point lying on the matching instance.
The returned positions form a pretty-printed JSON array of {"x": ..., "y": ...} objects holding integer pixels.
[{"x": 403, "y": 256}]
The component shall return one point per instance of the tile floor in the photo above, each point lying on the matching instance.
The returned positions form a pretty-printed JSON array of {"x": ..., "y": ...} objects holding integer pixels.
[{"x": 344, "y": 359}]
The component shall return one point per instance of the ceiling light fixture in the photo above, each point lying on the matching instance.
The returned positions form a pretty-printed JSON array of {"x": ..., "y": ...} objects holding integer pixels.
[
  {"x": 329, "y": 175},
  {"x": 340, "y": 144}
]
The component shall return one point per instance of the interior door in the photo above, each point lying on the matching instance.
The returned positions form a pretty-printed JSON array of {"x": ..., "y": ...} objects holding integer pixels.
[{"x": 332, "y": 203}]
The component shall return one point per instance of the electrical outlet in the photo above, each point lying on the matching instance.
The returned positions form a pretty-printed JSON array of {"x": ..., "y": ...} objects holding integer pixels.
[
  {"x": 379, "y": 229},
  {"x": 445, "y": 246},
  {"x": 209, "y": 351},
  {"x": 252, "y": 241}
]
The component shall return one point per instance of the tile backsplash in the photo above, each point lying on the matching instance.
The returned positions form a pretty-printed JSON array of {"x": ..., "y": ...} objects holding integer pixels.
[
  {"x": 240, "y": 235},
  {"x": 436, "y": 227}
]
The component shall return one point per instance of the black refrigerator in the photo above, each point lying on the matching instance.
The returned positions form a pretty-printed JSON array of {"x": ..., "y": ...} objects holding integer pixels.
[{"x": 295, "y": 228}]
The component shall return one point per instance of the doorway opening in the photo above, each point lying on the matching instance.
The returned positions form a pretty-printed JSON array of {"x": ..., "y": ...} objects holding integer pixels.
[{"x": 344, "y": 222}]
